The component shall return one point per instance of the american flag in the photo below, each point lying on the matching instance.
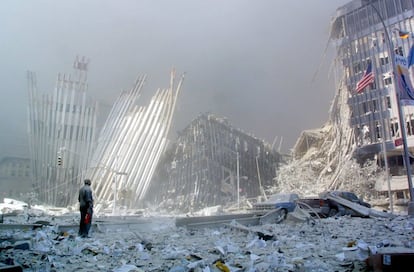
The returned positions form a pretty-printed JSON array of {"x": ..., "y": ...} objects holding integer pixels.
[{"x": 366, "y": 79}]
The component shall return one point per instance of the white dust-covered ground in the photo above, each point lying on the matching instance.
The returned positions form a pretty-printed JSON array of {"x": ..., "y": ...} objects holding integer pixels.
[{"x": 153, "y": 243}]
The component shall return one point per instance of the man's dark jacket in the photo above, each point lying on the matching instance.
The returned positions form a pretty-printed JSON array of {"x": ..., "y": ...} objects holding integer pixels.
[{"x": 85, "y": 197}]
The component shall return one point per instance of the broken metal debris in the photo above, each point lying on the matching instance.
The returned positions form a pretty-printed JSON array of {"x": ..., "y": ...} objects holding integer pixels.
[{"x": 154, "y": 243}]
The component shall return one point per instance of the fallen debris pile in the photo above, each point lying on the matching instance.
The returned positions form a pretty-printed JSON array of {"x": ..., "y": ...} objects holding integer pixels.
[
  {"x": 322, "y": 159},
  {"x": 154, "y": 243}
]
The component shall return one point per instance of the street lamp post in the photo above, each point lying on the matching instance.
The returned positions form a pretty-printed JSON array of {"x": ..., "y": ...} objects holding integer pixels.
[
  {"x": 116, "y": 173},
  {"x": 262, "y": 191},
  {"x": 400, "y": 113},
  {"x": 71, "y": 167},
  {"x": 116, "y": 189},
  {"x": 238, "y": 180},
  {"x": 237, "y": 153},
  {"x": 115, "y": 194}
]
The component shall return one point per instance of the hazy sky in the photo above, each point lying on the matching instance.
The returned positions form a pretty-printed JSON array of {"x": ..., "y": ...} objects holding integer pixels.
[{"x": 251, "y": 61}]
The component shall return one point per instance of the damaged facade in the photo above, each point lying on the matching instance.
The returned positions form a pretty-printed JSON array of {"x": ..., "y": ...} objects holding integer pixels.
[
  {"x": 130, "y": 145},
  {"x": 216, "y": 164},
  {"x": 360, "y": 38},
  {"x": 62, "y": 129},
  {"x": 66, "y": 146}
]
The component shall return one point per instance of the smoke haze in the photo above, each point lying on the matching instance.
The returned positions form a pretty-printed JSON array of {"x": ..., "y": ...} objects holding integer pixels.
[{"x": 250, "y": 61}]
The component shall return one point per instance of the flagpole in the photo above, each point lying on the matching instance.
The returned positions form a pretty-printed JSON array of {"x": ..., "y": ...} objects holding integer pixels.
[
  {"x": 384, "y": 146},
  {"x": 401, "y": 118}
]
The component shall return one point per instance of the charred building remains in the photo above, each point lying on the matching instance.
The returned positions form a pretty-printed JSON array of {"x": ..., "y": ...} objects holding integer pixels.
[{"x": 216, "y": 164}]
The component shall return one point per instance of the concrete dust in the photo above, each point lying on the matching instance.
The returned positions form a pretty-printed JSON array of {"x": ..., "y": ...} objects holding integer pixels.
[{"x": 154, "y": 243}]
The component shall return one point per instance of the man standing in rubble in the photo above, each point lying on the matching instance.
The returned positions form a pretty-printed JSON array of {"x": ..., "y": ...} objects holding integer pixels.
[{"x": 86, "y": 208}]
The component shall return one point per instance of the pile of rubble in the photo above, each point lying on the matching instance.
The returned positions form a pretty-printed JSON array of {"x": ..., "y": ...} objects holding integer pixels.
[
  {"x": 322, "y": 159},
  {"x": 155, "y": 243}
]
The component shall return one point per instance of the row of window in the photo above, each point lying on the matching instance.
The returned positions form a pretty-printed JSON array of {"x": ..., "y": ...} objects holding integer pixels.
[
  {"x": 14, "y": 173},
  {"x": 369, "y": 107},
  {"x": 69, "y": 132},
  {"x": 394, "y": 130},
  {"x": 358, "y": 20},
  {"x": 74, "y": 108},
  {"x": 360, "y": 66}
]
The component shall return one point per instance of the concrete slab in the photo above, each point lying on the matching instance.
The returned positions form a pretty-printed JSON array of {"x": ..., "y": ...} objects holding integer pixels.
[
  {"x": 19, "y": 226},
  {"x": 199, "y": 220},
  {"x": 11, "y": 268}
]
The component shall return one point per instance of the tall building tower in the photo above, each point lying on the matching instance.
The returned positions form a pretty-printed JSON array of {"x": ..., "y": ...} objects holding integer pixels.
[
  {"x": 62, "y": 129},
  {"x": 369, "y": 36}
]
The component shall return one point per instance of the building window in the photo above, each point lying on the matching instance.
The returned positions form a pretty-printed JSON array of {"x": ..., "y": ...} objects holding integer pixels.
[
  {"x": 410, "y": 126},
  {"x": 384, "y": 60},
  {"x": 378, "y": 130},
  {"x": 394, "y": 129},
  {"x": 357, "y": 68},
  {"x": 374, "y": 105},
  {"x": 373, "y": 86},
  {"x": 390, "y": 9},
  {"x": 399, "y": 51},
  {"x": 400, "y": 194},
  {"x": 406, "y": 5},
  {"x": 364, "y": 107},
  {"x": 388, "y": 102},
  {"x": 387, "y": 81},
  {"x": 384, "y": 40}
]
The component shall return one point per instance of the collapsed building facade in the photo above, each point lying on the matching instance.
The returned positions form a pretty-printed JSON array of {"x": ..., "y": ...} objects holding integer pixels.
[
  {"x": 131, "y": 143},
  {"x": 375, "y": 33},
  {"x": 62, "y": 130},
  {"x": 214, "y": 164},
  {"x": 66, "y": 146}
]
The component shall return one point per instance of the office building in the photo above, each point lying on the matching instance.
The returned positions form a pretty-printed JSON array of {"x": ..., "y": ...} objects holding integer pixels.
[{"x": 370, "y": 36}]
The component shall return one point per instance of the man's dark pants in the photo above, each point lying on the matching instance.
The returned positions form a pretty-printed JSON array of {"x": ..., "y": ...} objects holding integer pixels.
[{"x": 84, "y": 228}]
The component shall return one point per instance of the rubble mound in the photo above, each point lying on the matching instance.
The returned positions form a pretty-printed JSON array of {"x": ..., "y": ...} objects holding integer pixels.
[{"x": 322, "y": 159}]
